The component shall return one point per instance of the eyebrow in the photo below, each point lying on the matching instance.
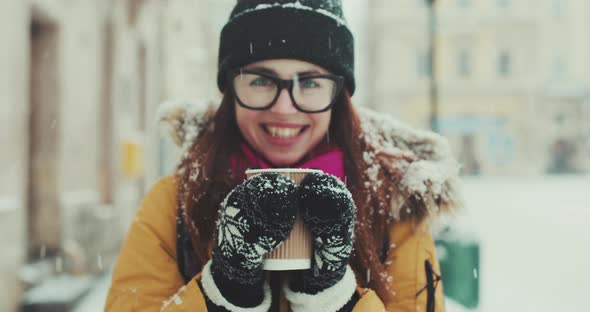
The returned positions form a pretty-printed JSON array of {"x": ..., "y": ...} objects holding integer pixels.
[{"x": 270, "y": 71}]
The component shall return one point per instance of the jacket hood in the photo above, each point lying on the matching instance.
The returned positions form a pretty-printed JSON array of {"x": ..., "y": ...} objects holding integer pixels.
[{"x": 430, "y": 173}]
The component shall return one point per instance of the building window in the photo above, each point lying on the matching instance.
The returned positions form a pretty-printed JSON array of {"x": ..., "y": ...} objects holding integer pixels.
[
  {"x": 559, "y": 7},
  {"x": 464, "y": 63},
  {"x": 423, "y": 64},
  {"x": 464, "y": 3},
  {"x": 559, "y": 67},
  {"x": 503, "y": 4},
  {"x": 504, "y": 64},
  {"x": 423, "y": 3}
]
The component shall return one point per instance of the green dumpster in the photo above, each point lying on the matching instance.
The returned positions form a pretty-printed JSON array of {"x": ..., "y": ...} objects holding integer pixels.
[{"x": 458, "y": 252}]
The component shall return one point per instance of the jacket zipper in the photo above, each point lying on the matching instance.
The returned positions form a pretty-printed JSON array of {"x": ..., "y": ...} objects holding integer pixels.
[
  {"x": 430, "y": 284},
  {"x": 432, "y": 280}
]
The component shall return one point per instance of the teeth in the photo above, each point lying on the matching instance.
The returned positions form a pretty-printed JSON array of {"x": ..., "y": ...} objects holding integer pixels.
[{"x": 283, "y": 132}]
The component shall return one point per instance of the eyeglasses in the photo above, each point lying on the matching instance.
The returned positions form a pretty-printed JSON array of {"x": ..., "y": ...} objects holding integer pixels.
[{"x": 310, "y": 93}]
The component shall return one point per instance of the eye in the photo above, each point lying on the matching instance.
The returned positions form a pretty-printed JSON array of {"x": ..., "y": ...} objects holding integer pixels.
[
  {"x": 260, "y": 82},
  {"x": 309, "y": 83}
]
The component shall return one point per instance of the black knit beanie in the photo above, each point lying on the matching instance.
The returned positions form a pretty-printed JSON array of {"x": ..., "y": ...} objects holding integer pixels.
[{"x": 314, "y": 31}]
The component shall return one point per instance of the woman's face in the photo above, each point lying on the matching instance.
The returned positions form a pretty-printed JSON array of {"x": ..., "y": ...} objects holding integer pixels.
[{"x": 282, "y": 134}]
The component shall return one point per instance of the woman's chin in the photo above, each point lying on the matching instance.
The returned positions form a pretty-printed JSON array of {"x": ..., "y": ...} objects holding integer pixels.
[{"x": 283, "y": 160}]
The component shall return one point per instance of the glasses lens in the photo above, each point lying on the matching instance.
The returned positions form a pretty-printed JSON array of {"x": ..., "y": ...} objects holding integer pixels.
[
  {"x": 314, "y": 94},
  {"x": 254, "y": 90}
]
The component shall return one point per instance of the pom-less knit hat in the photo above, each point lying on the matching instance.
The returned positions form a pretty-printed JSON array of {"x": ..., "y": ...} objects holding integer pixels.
[{"x": 314, "y": 31}]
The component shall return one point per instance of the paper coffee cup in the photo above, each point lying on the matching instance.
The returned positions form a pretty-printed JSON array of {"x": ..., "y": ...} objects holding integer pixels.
[{"x": 295, "y": 252}]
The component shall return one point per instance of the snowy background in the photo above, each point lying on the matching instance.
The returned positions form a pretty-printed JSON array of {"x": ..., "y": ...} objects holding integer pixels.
[{"x": 534, "y": 237}]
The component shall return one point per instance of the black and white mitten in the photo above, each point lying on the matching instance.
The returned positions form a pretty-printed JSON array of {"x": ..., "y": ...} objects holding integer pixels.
[
  {"x": 255, "y": 218},
  {"x": 329, "y": 212}
]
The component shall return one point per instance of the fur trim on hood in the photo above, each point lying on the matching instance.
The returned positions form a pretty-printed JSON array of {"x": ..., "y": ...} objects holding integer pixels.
[
  {"x": 431, "y": 175},
  {"x": 430, "y": 172}
]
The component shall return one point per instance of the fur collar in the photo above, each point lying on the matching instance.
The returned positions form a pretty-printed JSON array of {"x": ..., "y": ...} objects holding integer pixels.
[{"x": 430, "y": 172}]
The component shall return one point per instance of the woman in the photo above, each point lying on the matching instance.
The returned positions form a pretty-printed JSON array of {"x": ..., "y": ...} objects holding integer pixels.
[{"x": 286, "y": 72}]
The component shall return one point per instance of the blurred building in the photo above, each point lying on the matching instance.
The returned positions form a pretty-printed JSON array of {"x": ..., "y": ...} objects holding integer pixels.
[
  {"x": 190, "y": 45},
  {"x": 502, "y": 70},
  {"x": 80, "y": 82},
  {"x": 565, "y": 87}
]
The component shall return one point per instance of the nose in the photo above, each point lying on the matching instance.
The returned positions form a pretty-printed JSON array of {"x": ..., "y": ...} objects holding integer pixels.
[{"x": 284, "y": 104}]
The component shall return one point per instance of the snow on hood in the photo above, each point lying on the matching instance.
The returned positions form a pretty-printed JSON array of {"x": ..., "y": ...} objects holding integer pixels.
[
  {"x": 431, "y": 175},
  {"x": 185, "y": 119}
]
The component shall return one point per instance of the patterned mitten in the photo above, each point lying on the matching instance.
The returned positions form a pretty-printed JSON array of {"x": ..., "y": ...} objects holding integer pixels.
[
  {"x": 255, "y": 218},
  {"x": 329, "y": 212}
]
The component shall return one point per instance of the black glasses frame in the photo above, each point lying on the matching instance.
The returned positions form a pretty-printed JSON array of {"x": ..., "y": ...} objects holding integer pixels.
[{"x": 288, "y": 84}]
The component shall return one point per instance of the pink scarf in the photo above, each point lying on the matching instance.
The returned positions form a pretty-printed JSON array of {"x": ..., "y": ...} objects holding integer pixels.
[{"x": 329, "y": 159}]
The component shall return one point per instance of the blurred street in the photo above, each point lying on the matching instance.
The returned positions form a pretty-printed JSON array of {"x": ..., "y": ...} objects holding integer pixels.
[{"x": 534, "y": 239}]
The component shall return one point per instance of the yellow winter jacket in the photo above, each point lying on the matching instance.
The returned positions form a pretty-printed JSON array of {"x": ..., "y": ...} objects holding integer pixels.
[{"x": 146, "y": 276}]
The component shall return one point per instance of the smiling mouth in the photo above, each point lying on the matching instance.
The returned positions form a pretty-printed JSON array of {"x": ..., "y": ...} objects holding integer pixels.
[{"x": 283, "y": 133}]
